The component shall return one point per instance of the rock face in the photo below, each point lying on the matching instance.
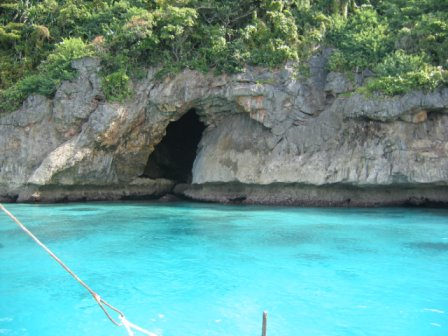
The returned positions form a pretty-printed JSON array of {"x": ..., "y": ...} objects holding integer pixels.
[{"x": 270, "y": 138}]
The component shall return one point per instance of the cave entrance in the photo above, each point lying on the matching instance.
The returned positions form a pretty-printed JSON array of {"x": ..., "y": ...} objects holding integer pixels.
[{"x": 173, "y": 157}]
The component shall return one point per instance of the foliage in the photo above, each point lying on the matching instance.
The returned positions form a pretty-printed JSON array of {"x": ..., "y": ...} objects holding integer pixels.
[
  {"x": 430, "y": 35},
  {"x": 56, "y": 68},
  {"x": 116, "y": 86},
  {"x": 400, "y": 72},
  {"x": 271, "y": 41},
  {"x": 362, "y": 40},
  {"x": 405, "y": 43},
  {"x": 39, "y": 39}
]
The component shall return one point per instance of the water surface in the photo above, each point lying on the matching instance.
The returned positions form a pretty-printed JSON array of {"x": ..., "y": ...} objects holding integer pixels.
[{"x": 197, "y": 269}]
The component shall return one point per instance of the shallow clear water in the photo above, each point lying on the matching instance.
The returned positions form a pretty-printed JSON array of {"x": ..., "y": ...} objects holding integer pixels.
[{"x": 195, "y": 269}]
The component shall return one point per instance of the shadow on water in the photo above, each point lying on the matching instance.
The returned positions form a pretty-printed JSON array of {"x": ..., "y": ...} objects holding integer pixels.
[
  {"x": 351, "y": 245},
  {"x": 428, "y": 246}
]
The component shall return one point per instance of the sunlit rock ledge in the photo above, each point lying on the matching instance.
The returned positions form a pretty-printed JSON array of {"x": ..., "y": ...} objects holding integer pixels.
[{"x": 270, "y": 133}]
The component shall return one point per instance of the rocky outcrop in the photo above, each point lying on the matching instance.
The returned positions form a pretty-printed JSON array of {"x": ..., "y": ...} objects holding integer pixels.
[
  {"x": 331, "y": 148},
  {"x": 270, "y": 137},
  {"x": 311, "y": 195}
]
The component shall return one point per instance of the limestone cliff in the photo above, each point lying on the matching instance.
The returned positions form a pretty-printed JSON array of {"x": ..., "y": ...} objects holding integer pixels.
[{"x": 269, "y": 137}]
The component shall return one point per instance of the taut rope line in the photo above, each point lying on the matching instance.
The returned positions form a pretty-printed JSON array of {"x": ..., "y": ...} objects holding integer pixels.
[{"x": 101, "y": 302}]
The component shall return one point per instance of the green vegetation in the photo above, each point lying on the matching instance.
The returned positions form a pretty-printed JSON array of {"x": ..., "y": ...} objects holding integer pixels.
[
  {"x": 400, "y": 72},
  {"x": 404, "y": 42},
  {"x": 48, "y": 74}
]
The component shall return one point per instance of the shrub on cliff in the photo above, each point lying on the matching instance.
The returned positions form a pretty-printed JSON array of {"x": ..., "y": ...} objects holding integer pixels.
[
  {"x": 404, "y": 43},
  {"x": 50, "y": 73},
  {"x": 222, "y": 36},
  {"x": 116, "y": 86},
  {"x": 362, "y": 41},
  {"x": 400, "y": 72}
]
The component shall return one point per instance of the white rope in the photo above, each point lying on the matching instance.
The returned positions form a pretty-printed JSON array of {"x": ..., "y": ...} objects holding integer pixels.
[
  {"x": 126, "y": 326},
  {"x": 129, "y": 325},
  {"x": 124, "y": 322}
]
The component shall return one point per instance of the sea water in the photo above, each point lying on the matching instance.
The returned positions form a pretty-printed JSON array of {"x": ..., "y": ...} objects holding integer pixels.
[{"x": 199, "y": 269}]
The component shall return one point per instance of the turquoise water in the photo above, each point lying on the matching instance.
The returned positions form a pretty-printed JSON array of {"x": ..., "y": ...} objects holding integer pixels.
[{"x": 195, "y": 269}]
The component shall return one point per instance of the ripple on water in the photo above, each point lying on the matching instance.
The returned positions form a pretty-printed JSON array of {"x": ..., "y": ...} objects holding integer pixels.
[
  {"x": 87, "y": 209},
  {"x": 291, "y": 238},
  {"x": 313, "y": 256}
]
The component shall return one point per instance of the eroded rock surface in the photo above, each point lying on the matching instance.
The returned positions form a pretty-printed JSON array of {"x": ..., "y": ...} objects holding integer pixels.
[{"x": 264, "y": 129}]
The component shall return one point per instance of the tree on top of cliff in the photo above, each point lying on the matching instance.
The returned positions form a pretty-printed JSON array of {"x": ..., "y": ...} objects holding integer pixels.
[{"x": 222, "y": 36}]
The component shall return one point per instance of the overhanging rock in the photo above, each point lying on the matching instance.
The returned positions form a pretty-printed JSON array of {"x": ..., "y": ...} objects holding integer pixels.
[{"x": 262, "y": 128}]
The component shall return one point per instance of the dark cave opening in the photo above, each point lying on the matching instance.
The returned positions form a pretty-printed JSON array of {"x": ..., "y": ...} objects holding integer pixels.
[{"x": 173, "y": 157}]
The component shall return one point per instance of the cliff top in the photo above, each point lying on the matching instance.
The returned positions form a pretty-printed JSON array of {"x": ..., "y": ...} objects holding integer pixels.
[{"x": 401, "y": 45}]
